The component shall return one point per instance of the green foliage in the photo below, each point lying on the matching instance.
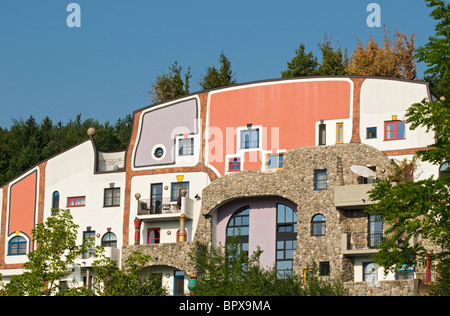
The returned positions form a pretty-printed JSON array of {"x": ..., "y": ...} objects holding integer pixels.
[
  {"x": 302, "y": 64},
  {"x": 218, "y": 78},
  {"x": 441, "y": 286},
  {"x": 170, "y": 85},
  {"x": 130, "y": 281},
  {"x": 228, "y": 271},
  {"x": 334, "y": 62},
  {"x": 56, "y": 252},
  {"x": 27, "y": 143}
]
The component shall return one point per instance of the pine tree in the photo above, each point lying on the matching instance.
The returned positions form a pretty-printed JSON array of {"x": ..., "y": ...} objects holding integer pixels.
[
  {"x": 170, "y": 85},
  {"x": 302, "y": 64},
  {"x": 218, "y": 78}
]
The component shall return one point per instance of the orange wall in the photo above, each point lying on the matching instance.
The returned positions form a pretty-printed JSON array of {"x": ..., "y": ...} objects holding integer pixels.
[
  {"x": 23, "y": 205},
  {"x": 293, "y": 107}
]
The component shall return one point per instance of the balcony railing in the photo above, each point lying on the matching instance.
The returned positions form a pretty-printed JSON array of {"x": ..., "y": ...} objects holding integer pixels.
[
  {"x": 113, "y": 164},
  {"x": 166, "y": 208},
  {"x": 354, "y": 243}
]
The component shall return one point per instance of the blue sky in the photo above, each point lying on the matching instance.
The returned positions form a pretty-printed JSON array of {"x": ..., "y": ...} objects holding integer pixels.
[{"x": 105, "y": 68}]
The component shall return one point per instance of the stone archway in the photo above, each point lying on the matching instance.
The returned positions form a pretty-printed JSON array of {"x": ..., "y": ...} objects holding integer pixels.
[{"x": 296, "y": 183}]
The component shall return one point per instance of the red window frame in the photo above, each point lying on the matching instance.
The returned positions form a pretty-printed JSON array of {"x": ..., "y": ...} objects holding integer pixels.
[
  {"x": 71, "y": 201},
  {"x": 156, "y": 240},
  {"x": 234, "y": 164},
  {"x": 395, "y": 130},
  {"x": 185, "y": 234}
]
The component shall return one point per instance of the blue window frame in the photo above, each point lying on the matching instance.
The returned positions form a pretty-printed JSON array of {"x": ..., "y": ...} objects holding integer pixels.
[
  {"x": 250, "y": 138},
  {"x": 17, "y": 246},
  {"x": 405, "y": 273},
  {"x": 176, "y": 187},
  {"x": 286, "y": 240},
  {"x": 371, "y": 132},
  {"x": 320, "y": 179},
  {"x": 239, "y": 227},
  {"x": 55, "y": 199},
  {"x": 178, "y": 283},
  {"x": 186, "y": 147}
]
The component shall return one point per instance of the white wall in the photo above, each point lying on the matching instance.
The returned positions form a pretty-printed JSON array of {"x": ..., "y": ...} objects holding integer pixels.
[
  {"x": 380, "y": 100},
  {"x": 142, "y": 184},
  {"x": 72, "y": 174}
]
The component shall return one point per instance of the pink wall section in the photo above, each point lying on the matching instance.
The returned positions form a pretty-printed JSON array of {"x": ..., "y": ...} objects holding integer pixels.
[
  {"x": 23, "y": 205},
  {"x": 293, "y": 107},
  {"x": 262, "y": 224}
]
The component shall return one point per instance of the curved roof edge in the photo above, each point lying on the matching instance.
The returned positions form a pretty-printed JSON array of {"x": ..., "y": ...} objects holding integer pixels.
[{"x": 280, "y": 80}]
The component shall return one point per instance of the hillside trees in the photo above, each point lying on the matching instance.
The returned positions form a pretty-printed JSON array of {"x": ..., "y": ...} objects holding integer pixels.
[
  {"x": 394, "y": 59},
  {"x": 28, "y": 142}
]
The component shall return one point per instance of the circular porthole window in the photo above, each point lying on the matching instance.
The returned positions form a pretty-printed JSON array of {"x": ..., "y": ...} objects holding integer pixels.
[{"x": 159, "y": 152}]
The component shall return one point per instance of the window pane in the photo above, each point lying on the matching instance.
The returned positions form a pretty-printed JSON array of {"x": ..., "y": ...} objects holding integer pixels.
[{"x": 400, "y": 130}]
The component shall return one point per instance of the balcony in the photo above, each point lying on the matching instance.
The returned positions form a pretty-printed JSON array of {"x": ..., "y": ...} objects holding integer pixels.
[
  {"x": 360, "y": 244},
  {"x": 110, "y": 161},
  {"x": 352, "y": 196},
  {"x": 168, "y": 210}
]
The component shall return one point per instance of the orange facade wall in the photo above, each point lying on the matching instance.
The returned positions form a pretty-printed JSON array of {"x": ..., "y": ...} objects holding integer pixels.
[
  {"x": 290, "y": 109},
  {"x": 23, "y": 199}
]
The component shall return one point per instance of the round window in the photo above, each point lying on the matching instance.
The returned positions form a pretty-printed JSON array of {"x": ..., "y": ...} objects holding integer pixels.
[{"x": 159, "y": 152}]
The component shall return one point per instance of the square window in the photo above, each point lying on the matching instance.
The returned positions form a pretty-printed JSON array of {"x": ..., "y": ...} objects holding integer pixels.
[
  {"x": 250, "y": 138},
  {"x": 275, "y": 161},
  {"x": 234, "y": 164},
  {"x": 394, "y": 130},
  {"x": 324, "y": 268},
  {"x": 177, "y": 187},
  {"x": 371, "y": 132},
  {"x": 111, "y": 197},
  {"x": 320, "y": 179},
  {"x": 186, "y": 147}
]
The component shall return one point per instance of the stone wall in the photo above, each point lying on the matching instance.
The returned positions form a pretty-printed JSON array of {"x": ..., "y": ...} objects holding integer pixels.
[
  {"x": 169, "y": 254},
  {"x": 296, "y": 183},
  {"x": 383, "y": 288}
]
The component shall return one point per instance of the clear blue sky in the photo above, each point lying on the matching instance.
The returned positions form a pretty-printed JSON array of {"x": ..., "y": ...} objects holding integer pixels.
[{"x": 105, "y": 68}]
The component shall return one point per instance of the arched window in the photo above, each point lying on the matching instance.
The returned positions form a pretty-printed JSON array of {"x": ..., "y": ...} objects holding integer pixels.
[
  {"x": 318, "y": 225},
  {"x": 286, "y": 239},
  {"x": 109, "y": 240},
  {"x": 238, "y": 227},
  {"x": 444, "y": 169},
  {"x": 17, "y": 246},
  {"x": 55, "y": 199}
]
